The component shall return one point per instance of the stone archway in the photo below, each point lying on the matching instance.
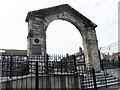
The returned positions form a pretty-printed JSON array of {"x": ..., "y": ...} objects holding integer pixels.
[{"x": 39, "y": 20}]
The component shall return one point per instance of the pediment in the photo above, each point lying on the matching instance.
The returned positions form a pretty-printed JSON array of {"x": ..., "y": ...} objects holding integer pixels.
[{"x": 43, "y": 13}]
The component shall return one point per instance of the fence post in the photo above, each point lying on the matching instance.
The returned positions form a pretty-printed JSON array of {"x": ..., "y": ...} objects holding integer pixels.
[
  {"x": 75, "y": 67},
  {"x": 47, "y": 58},
  {"x": 61, "y": 66},
  {"x": 94, "y": 79},
  {"x": 118, "y": 61},
  {"x": 36, "y": 76},
  {"x": 105, "y": 78},
  {"x": 101, "y": 62},
  {"x": 10, "y": 74},
  {"x": 84, "y": 59},
  {"x": 82, "y": 78},
  {"x": 67, "y": 63}
]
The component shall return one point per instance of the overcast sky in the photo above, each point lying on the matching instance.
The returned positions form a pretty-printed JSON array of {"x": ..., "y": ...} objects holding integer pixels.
[{"x": 62, "y": 36}]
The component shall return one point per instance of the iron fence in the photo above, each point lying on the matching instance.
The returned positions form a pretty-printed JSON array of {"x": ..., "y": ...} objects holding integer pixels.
[{"x": 45, "y": 72}]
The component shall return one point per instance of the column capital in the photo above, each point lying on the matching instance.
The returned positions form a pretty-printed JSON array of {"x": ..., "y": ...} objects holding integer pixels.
[{"x": 32, "y": 15}]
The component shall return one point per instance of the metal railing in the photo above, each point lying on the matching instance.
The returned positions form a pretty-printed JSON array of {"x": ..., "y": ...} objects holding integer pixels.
[{"x": 49, "y": 71}]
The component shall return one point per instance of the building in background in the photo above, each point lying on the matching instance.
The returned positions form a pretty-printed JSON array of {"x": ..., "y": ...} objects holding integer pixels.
[
  {"x": 13, "y": 62},
  {"x": 13, "y": 52}
]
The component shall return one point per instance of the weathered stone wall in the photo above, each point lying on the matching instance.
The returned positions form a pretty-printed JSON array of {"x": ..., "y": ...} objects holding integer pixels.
[
  {"x": 36, "y": 37},
  {"x": 90, "y": 44},
  {"x": 45, "y": 82}
]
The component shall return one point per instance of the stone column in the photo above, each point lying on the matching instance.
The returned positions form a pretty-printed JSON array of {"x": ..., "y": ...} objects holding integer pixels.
[
  {"x": 90, "y": 44},
  {"x": 36, "y": 39}
]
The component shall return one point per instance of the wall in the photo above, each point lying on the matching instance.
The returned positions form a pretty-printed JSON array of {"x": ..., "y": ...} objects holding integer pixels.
[{"x": 58, "y": 81}]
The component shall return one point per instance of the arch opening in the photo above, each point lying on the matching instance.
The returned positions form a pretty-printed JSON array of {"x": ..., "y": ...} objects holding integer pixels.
[{"x": 62, "y": 37}]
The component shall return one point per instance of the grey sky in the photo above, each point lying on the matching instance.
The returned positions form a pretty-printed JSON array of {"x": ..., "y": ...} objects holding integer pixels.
[{"x": 13, "y": 28}]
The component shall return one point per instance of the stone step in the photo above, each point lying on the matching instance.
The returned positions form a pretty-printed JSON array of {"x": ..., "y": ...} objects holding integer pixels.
[
  {"x": 100, "y": 80},
  {"x": 98, "y": 77},
  {"x": 101, "y": 85}
]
